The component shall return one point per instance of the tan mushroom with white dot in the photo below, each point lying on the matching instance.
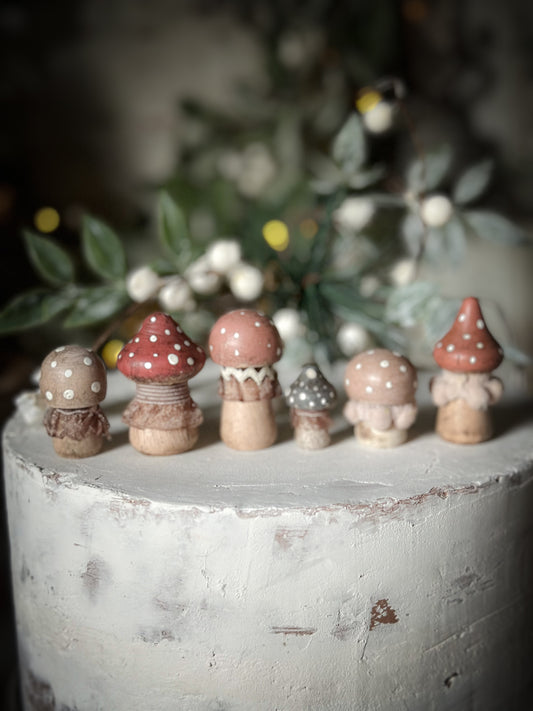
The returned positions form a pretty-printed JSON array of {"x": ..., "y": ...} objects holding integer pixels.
[
  {"x": 163, "y": 418},
  {"x": 246, "y": 343},
  {"x": 381, "y": 387},
  {"x": 73, "y": 381}
]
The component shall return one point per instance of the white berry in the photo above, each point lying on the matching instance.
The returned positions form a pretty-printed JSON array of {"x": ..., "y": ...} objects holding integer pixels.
[
  {"x": 246, "y": 282},
  {"x": 141, "y": 284},
  {"x": 436, "y": 210}
]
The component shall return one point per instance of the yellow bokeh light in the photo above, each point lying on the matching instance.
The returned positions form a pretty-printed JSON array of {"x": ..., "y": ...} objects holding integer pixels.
[
  {"x": 276, "y": 234},
  {"x": 308, "y": 227},
  {"x": 367, "y": 99},
  {"x": 110, "y": 352},
  {"x": 46, "y": 219}
]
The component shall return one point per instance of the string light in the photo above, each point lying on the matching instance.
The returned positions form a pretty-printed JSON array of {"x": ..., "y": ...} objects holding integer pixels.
[
  {"x": 110, "y": 352},
  {"x": 276, "y": 234},
  {"x": 46, "y": 219},
  {"x": 367, "y": 99}
]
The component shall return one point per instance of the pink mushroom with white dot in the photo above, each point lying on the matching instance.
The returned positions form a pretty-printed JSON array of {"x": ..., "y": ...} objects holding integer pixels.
[
  {"x": 381, "y": 387},
  {"x": 246, "y": 343},
  {"x": 163, "y": 418},
  {"x": 73, "y": 381},
  {"x": 465, "y": 388}
]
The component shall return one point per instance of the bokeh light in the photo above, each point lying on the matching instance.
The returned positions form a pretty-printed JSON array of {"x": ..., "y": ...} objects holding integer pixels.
[
  {"x": 367, "y": 99},
  {"x": 308, "y": 227},
  {"x": 46, "y": 219},
  {"x": 276, "y": 234},
  {"x": 110, "y": 352}
]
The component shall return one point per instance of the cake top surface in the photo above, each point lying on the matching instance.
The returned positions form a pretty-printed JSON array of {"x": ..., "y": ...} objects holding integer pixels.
[{"x": 214, "y": 477}]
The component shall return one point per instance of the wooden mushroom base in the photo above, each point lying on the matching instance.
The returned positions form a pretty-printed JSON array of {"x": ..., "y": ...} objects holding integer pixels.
[
  {"x": 311, "y": 429},
  {"x": 248, "y": 425},
  {"x": 77, "y": 433},
  {"x": 458, "y": 422},
  {"x": 379, "y": 439}
]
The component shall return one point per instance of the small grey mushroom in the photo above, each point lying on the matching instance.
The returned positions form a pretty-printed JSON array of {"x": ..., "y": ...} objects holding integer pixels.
[{"x": 310, "y": 397}]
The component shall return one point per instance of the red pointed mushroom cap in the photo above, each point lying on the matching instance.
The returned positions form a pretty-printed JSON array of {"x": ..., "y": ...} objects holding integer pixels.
[
  {"x": 469, "y": 346},
  {"x": 160, "y": 353},
  {"x": 245, "y": 338}
]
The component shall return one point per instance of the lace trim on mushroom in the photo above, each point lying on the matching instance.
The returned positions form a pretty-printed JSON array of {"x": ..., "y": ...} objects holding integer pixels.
[
  {"x": 242, "y": 374},
  {"x": 248, "y": 390},
  {"x": 76, "y": 424},
  {"x": 158, "y": 416}
]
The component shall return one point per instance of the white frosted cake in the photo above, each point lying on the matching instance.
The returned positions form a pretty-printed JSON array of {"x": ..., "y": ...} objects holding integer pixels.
[{"x": 284, "y": 579}]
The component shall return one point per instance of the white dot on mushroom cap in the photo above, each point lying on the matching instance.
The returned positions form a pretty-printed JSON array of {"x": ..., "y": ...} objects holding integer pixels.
[
  {"x": 467, "y": 336},
  {"x": 137, "y": 340},
  {"x": 173, "y": 359},
  {"x": 450, "y": 348},
  {"x": 87, "y": 361},
  {"x": 323, "y": 400},
  {"x": 153, "y": 339},
  {"x": 187, "y": 343},
  {"x": 198, "y": 349},
  {"x": 210, "y": 346},
  {"x": 236, "y": 335},
  {"x": 346, "y": 381},
  {"x": 257, "y": 324},
  {"x": 190, "y": 361},
  {"x": 59, "y": 349},
  {"x": 403, "y": 369},
  {"x": 153, "y": 319},
  {"x": 119, "y": 356},
  {"x": 371, "y": 352},
  {"x": 473, "y": 359},
  {"x": 242, "y": 313},
  {"x": 156, "y": 355},
  {"x": 311, "y": 373},
  {"x": 278, "y": 351},
  {"x": 130, "y": 355},
  {"x": 439, "y": 344},
  {"x": 167, "y": 332},
  {"x": 68, "y": 373},
  {"x": 480, "y": 345},
  {"x": 388, "y": 385},
  {"x": 68, "y": 394},
  {"x": 302, "y": 396},
  {"x": 49, "y": 395},
  {"x": 462, "y": 318},
  {"x": 53, "y": 364},
  {"x": 147, "y": 365},
  {"x": 358, "y": 366},
  {"x": 369, "y": 389},
  {"x": 236, "y": 353},
  {"x": 177, "y": 346},
  {"x": 480, "y": 323},
  {"x": 96, "y": 386},
  {"x": 222, "y": 330},
  {"x": 384, "y": 364},
  {"x": 311, "y": 403},
  {"x": 269, "y": 345}
]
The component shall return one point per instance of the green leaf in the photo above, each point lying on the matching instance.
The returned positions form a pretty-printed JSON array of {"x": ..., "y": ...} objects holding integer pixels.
[
  {"x": 95, "y": 304},
  {"x": 173, "y": 232},
  {"x": 438, "y": 315},
  {"x": 495, "y": 227},
  {"x": 516, "y": 356},
  {"x": 414, "y": 233},
  {"x": 51, "y": 262},
  {"x": 30, "y": 309},
  {"x": 427, "y": 173},
  {"x": 349, "y": 145},
  {"x": 405, "y": 305},
  {"x": 473, "y": 182},
  {"x": 102, "y": 249},
  {"x": 455, "y": 239}
]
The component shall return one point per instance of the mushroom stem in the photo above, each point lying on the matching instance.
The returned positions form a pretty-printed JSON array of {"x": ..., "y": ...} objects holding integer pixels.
[
  {"x": 248, "y": 426},
  {"x": 77, "y": 448},
  {"x": 458, "y": 422},
  {"x": 164, "y": 394},
  {"x": 163, "y": 442},
  {"x": 311, "y": 429}
]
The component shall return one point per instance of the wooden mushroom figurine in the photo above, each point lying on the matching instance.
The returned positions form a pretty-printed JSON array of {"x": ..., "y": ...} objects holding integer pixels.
[
  {"x": 381, "y": 387},
  {"x": 73, "y": 381},
  {"x": 466, "y": 388},
  {"x": 310, "y": 397},
  {"x": 246, "y": 344},
  {"x": 160, "y": 359}
]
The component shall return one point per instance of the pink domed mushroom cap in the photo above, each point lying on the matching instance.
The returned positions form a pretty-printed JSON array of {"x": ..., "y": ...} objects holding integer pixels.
[
  {"x": 160, "y": 352},
  {"x": 245, "y": 338},
  {"x": 381, "y": 377},
  {"x": 469, "y": 346}
]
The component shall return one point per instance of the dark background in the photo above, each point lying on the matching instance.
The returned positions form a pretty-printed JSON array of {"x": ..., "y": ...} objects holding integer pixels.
[{"x": 88, "y": 114}]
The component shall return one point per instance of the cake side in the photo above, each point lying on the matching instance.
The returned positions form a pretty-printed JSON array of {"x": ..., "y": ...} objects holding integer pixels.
[{"x": 287, "y": 580}]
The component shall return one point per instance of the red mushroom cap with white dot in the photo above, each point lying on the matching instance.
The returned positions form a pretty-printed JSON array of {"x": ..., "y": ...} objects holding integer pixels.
[
  {"x": 382, "y": 377},
  {"x": 245, "y": 338},
  {"x": 160, "y": 352},
  {"x": 73, "y": 377},
  {"x": 469, "y": 346}
]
